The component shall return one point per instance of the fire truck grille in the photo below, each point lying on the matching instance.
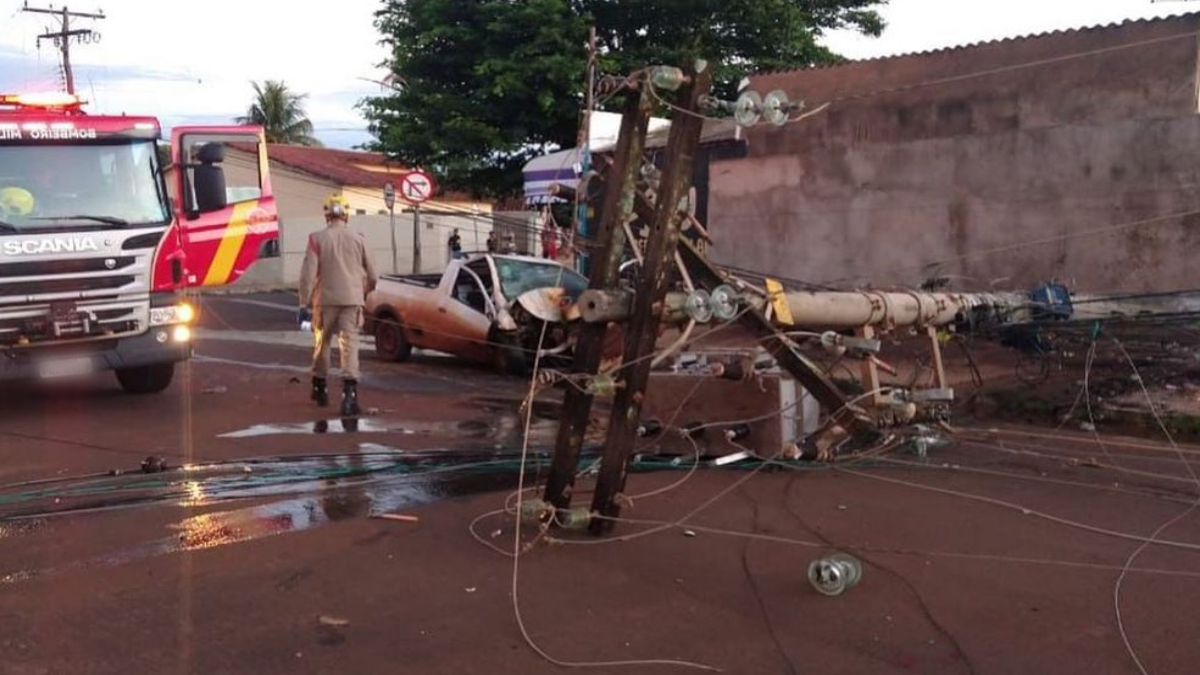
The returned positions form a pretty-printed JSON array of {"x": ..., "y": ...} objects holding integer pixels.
[
  {"x": 104, "y": 318},
  {"x": 77, "y": 299},
  {"x": 53, "y": 286},
  {"x": 59, "y": 267}
]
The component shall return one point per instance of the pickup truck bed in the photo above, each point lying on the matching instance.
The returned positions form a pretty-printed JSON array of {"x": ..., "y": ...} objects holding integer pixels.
[{"x": 425, "y": 280}]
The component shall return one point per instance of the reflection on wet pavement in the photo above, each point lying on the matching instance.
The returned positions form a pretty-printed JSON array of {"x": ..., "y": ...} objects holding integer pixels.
[
  {"x": 502, "y": 428},
  {"x": 320, "y": 490},
  {"x": 335, "y": 426},
  {"x": 199, "y": 484}
]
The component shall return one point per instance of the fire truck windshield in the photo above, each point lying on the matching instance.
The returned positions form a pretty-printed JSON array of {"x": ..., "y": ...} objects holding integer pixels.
[{"x": 80, "y": 186}]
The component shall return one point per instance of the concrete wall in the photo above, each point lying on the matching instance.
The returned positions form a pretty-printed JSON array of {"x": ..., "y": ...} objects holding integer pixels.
[
  {"x": 370, "y": 199},
  {"x": 949, "y": 165},
  {"x": 524, "y": 227},
  {"x": 293, "y": 242}
]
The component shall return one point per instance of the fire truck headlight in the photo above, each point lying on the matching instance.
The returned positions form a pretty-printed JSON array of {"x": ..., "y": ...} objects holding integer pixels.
[
  {"x": 165, "y": 316},
  {"x": 186, "y": 313},
  {"x": 182, "y": 334}
]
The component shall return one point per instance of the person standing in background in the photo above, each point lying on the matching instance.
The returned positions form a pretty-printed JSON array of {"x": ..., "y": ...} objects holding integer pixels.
[{"x": 550, "y": 242}]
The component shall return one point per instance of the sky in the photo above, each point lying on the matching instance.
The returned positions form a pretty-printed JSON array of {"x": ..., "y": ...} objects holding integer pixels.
[
  {"x": 921, "y": 25},
  {"x": 192, "y": 62}
]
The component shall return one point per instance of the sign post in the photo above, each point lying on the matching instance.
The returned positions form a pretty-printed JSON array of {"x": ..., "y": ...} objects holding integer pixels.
[
  {"x": 389, "y": 200},
  {"x": 416, "y": 187}
]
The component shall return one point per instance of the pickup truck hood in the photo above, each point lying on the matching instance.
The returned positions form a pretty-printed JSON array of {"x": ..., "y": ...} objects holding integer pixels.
[{"x": 545, "y": 303}]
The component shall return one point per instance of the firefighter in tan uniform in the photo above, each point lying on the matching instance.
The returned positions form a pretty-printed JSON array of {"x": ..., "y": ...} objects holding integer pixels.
[{"x": 336, "y": 276}]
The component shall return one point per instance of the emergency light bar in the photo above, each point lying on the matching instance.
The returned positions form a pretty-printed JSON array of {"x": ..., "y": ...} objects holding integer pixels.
[{"x": 53, "y": 100}]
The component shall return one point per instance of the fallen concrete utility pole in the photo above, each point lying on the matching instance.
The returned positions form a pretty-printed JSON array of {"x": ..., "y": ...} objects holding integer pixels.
[
  {"x": 892, "y": 309},
  {"x": 709, "y": 277},
  {"x": 837, "y": 310},
  {"x": 777, "y": 317}
]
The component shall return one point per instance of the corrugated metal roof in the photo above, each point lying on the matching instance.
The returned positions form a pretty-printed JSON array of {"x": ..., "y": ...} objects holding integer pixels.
[{"x": 1116, "y": 26}]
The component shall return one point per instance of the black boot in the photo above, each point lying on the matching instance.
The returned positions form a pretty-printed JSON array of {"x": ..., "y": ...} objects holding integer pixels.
[
  {"x": 350, "y": 399},
  {"x": 320, "y": 393}
]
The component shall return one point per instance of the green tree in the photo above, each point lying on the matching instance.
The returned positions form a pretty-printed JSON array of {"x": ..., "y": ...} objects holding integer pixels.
[
  {"x": 281, "y": 114},
  {"x": 487, "y": 84}
]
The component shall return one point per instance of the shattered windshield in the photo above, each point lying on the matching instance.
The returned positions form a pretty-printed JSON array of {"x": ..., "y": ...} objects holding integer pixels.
[
  {"x": 520, "y": 276},
  {"x": 80, "y": 186}
]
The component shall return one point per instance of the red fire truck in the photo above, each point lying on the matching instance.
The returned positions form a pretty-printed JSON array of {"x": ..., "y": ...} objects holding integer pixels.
[{"x": 96, "y": 259}]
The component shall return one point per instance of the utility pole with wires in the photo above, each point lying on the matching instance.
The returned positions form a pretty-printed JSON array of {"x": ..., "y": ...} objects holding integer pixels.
[
  {"x": 63, "y": 36},
  {"x": 582, "y": 229}
]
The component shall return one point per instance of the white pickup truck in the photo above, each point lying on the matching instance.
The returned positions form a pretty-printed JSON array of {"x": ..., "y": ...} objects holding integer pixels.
[{"x": 487, "y": 307}]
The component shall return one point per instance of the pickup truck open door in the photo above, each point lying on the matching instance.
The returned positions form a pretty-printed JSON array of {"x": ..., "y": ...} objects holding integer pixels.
[{"x": 464, "y": 316}]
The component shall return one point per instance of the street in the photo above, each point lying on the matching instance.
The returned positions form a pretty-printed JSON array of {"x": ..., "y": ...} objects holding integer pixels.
[
  {"x": 262, "y": 558},
  {"x": 843, "y": 337}
]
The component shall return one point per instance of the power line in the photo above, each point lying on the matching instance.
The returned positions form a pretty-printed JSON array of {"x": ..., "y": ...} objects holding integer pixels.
[{"x": 62, "y": 37}]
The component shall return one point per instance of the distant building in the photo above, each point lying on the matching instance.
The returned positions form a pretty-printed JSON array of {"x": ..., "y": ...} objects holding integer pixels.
[
  {"x": 1003, "y": 163},
  {"x": 303, "y": 177}
]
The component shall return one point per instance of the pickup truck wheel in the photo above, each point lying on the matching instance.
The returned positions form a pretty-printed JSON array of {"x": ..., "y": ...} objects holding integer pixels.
[
  {"x": 146, "y": 379},
  {"x": 508, "y": 356},
  {"x": 390, "y": 343}
]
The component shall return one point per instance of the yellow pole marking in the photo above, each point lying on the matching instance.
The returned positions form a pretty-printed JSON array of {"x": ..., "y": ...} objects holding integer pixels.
[{"x": 779, "y": 302}]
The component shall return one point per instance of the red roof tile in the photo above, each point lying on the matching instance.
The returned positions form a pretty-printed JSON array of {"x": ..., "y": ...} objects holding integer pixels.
[{"x": 340, "y": 166}]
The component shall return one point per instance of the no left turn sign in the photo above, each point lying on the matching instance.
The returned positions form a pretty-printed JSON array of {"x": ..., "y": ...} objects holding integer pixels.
[{"x": 416, "y": 187}]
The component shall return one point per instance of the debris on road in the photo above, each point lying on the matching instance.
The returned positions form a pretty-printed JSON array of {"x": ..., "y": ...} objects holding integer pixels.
[
  {"x": 332, "y": 621},
  {"x": 397, "y": 517},
  {"x": 154, "y": 464},
  {"x": 834, "y": 574}
]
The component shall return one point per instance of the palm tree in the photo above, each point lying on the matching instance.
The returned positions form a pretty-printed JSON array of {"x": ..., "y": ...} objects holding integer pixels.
[{"x": 281, "y": 113}]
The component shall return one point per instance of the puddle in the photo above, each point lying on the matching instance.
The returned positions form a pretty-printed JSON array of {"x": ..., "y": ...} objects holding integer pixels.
[
  {"x": 301, "y": 493},
  {"x": 333, "y": 426},
  {"x": 504, "y": 428},
  {"x": 265, "y": 477},
  {"x": 317, "y": 490}
]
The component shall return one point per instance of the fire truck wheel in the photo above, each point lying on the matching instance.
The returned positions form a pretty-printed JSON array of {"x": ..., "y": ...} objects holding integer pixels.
[{"x": 146, "y": 379}]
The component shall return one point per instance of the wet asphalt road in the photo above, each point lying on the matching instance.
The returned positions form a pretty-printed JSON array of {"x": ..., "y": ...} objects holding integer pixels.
[{"x": 261, "y": 558}]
